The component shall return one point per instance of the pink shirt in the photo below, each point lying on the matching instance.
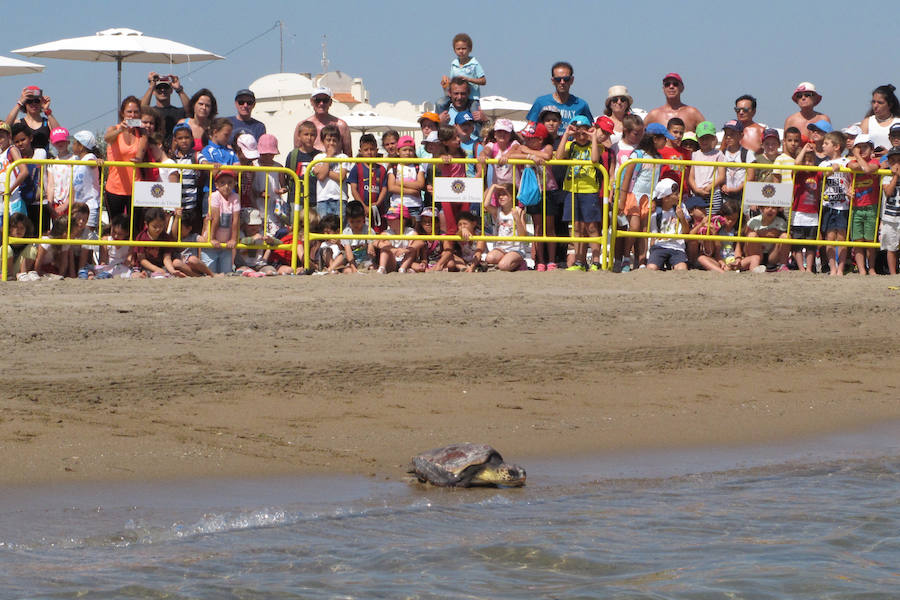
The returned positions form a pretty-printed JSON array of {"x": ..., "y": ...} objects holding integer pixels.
[{"x": 229, "y": 209}]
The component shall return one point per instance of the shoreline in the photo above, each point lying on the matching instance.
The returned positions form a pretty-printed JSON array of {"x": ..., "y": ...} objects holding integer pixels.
[{"x": 168, "y": 380}]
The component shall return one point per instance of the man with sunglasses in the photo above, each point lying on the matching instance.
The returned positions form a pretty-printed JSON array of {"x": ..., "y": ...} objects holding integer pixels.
[
  {"x": 162, "y": 87},
  {"x": 673, "y": 86},
  {"x": 243, "y": 122},
  {"x": 745, "y": 110},
  {"x": 321, "y": 100},
  {"x": 562, "y": 76},
  {"x": 807, "y": 98}
]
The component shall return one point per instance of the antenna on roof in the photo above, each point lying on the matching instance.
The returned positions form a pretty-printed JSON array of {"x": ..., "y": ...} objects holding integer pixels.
[
  {"x": 281, "y": 45},
  {"x": 324, "y": 55}
]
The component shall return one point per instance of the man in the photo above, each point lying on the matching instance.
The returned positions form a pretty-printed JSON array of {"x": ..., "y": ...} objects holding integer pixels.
[
  {"x": 745, "y": 110},
  {"x": 244, "y": 101},
  {"x": 807, "y": 98},
  {"x": 162, "y": 90},
  {"x": 460, "y": 103},
  {"x": 673, "y": 86},
  {"x": 321, "y": 100},
  {"x": 562, "y": 76}
]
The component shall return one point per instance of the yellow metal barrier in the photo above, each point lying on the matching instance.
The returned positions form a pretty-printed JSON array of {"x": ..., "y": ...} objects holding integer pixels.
[
  {"x": 7, "y": 240},
  {"x": 309, "y": 237},
  {"x": 615, "y": 233}
]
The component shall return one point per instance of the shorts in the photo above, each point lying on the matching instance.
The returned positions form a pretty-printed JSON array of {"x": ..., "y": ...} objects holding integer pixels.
[
  {"x": 803, "y": 232},
  {"x": 634, "y": 208},
  {"x": 890, "y": 236},
  {"x": 217, "y": 260},
  {"x": 662, "y": 256},
  {"x": 328, "y": 207},
  {"x": 587, "y": 207},
  {"x": 552, "y": 198},
  {"x": 862, "y": 226},
  {"x": 834, "y": 220}
]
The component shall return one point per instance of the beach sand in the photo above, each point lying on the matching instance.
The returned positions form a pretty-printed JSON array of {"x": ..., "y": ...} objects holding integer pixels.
[{"x": 135, "y": 380}]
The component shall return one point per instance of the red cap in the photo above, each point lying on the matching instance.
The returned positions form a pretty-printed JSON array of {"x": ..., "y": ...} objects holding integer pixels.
[
  {"x": 605, "y": 124},
  {"x": 535, "y": 131},
  {"x": 674, "y": 76},
  {"x": 226, "y": 172}
]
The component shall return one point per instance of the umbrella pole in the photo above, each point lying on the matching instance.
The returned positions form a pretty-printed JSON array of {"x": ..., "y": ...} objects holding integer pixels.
[{"x": 119, "y": 74}]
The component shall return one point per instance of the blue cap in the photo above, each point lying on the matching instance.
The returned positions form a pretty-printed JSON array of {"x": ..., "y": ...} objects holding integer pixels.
[
  {"x": 820, "y": 125},
  {"x": 580, "y": 120},
  {"x": 659, "y": 129},
  {"x": 179, "y": 126},
  {"x": 463, "y": 118},
  {"x": 733, "y": 124}
]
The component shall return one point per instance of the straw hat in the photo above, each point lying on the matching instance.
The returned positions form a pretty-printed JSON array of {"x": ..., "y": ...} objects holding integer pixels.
[{"x": 618, "y": 90}]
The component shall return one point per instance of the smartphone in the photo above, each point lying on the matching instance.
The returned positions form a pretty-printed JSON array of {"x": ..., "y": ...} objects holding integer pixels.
[{"x": 133, "y": 122}]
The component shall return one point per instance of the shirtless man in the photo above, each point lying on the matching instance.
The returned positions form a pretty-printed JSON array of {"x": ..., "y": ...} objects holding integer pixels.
[
  {"x": 745, "y": 110},
  {"x": 674, "y": 107},
  {"x": 806, "y": 97},
  {"x": 321, "y": 100}
]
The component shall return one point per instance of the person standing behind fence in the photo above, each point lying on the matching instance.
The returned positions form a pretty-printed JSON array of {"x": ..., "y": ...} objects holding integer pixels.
[
  {"x": 735, "y": 177},
  {"x": 59, "y": 176},
  {"x": 836, "y": 197},
  {"x": 223, "y": 224},
  {"x": 639, "y": 180},
  {"x": 299, "y": 158},
  {"x": 538, "y": 148},
  {"x": 703, "y": 180},
  {"x": 406, "y": 181},
  {"x": 807, "y": 98},
  {"x": 331, "y": 177},
  {"x": 86, "y": 178},
  {"x": 805, "y": 211},
  {"x": 368, "y": 183},
  {"x": 35, "y": 203},
  {"x": 124, "y": 143},
  {"x": 33, "y": 102},
  {"x": 190, "y": 179},
  {"x": 864, "y": 201},
  {"x": 8, "y": 155},
  {"x": 890, "y": 216},
  {"x": 562, "y": 76}
]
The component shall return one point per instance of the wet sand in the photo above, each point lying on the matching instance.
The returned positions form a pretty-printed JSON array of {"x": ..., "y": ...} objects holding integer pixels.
[{"x": 171, "y": 379}]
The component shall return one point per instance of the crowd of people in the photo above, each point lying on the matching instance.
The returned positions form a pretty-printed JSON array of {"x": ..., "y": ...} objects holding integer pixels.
[{"x": 228, "y": 209}]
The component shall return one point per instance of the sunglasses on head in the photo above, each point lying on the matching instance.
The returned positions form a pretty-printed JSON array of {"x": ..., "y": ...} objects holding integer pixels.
[{"x": 563, "y": 79}]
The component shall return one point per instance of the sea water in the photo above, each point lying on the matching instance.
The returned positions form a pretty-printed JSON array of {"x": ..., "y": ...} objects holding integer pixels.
[{"x": 813, "y": 520}]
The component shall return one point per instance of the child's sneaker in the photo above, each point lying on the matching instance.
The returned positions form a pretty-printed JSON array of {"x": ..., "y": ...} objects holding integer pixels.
[
  {"x": 576, "y": 267},
  {"x": 552, "y": 266},
  {"x": 594, "y": 267},
  {"x": 541, "y": 267},
  {"x": 617, "y": 265},
  {"x": 626, "y": 265}
]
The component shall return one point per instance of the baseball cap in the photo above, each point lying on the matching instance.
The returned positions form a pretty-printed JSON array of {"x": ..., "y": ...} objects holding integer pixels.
[
  {"x": 853, "y": 130},
  {"x": 268, "y": 144},
  {"x": 605, "y": 124},
  {"x": 224, "y": 172},
  {"x": 182, "y": 127},
  {"x": 429, "y": 139},
  {"x": 863, "y": 139},
  {"x": 820, "y": 125},
  {"x": 395, "y": 213},
  {"x": 427, "y": 212},
  {"x": 658, "y": 129},
  {"x": 321, "y": 91},
  {"x": 245, "y": 92},
  {"x": 504, "y": 125},
  {"x": 806, "y": 86},
  {"x": 692, "y": 202},
  {"x": 552, "y": 109},
  {"x": 664, "y": 188},
  {"x": 580, "y": 120},
  {"x": 251, "y": 216},
  {"x": 689, "y": 136},
  {"x": 675, "y": 76},
  {"x": 430, "y": 116},
  {"x": 59, "y": 134},
  {"x": 535, "y": 131},
  {"x": 771, "y": 132},
  {"x": 463, "y": 118},
  {"x": 894, "y": 130},
  {"x": 705, "y": 128},
  {"x": 87, "y": 139},
  {"x": 4, "y": 126},
  {"x": 248, "y": 145},
  {"x": 733, "y": 124},
  {"x": 895, "y": 151},
  {"x": 404, "y": 141}
]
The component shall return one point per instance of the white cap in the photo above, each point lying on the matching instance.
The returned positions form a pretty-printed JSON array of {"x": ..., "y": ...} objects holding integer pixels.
[
  {"x": 321, "y": 91},
  {"x": 853, "y": 130},
  {"x": 430, "y": 138},
  {"x": 248, "y": 145},
  {"x": 251, "y": 216},
  {"x": 863, "y": 139},
  {"x": 664, "y": 188},
  {"x": 86, "y": 139}
]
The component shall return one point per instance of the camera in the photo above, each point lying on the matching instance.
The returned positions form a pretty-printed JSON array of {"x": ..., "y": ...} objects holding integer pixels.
[{"x": 167, "y": 79}]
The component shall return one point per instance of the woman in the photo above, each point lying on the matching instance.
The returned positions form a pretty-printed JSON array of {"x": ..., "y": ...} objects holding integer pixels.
[
  {"x": 618, "y": 104},
  {"x": 32, "y": 102},
  {"x": 885, "y": 111},
  {"x": 126, "y": 143},
  {"x": 201, "y": 110}
]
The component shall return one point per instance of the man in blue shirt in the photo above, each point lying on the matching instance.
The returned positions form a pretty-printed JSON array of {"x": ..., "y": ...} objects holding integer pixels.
[
  {"x": 562, "y": 75},
  {"x": 244, "y": 101}
]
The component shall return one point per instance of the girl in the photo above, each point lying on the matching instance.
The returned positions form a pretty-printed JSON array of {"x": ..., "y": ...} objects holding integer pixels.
[
  {"x": 538, "y": 148},
  {"x": 394, "y": 252},
  {"x": 52, "y": 259},
  {"x": 115, "y": 261},
  {"x": 21, "y": 256},
  {"x": 201, "y": 110},
  {"x": 510, "y": 219},
  {"x": 86, "y": 179},
  {"x": 125, "y": 142},
  {"x": 188, "y": 261},
  {"x": 35, "y": 203},
  {"x": 500, "y": 149},
  {"x": 33, "y": 102},
  {"x": 151, "y": 126},
  {"x": 154, "y": 261},
  {"x": 8, "y": 155},
  {"x": 59, "y": 176},
  {"x": 638, "y": 181},
  {"x": 222, "y": 224},
  {"x": 450, "y": 149},
  {"x": 268, "y": 186},
  {"x": 429, "y": 251},
  {"x": 720, "y": 256},
  {"x": 406, "y": 181}
]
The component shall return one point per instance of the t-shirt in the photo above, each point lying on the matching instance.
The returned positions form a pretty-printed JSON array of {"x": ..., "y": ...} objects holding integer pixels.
[
  {"x": 836, "y": 186},
  {"x": 358, "y": 247},
  {"x": 170, "y": 116},
  {"x": 787, "y": 175},
  {"x": 408, "y": 173},
  {"x": 253, "y": 127},
  {"x": 756, "y": 224},
  {"x": 154, "y": 254},
  {"x": 580, "y": 179},
  {"x": 400, "y": 243},
  {"x": 765, "y": 174},
  {"x": 86, "y": 183},
  {"x": 890, "y": 211},
  {"x": 805, "y": 211},
  {"x": 297, "y": 161},
  {"x": 190, "y": 193},
  {"x": 704, "y": 176},
  {"x": 643, "y": 177},
  {"x": 569, "y": 110},
  {"x": 666, "y": 221},
  {"x": 62, "y": 179},
  {"x": 229, "y": 209},
  {"x": 265, "y": 186},
  {"x": 214, "y": 153},
  {"x": 504, "y": 173},
  {"x": 471, "y": 69},
  {"x": 736, "y": 176},
  {"x": 368, "y": 185},
  {"x": 506, "y": 227},
  {"x": 865, "y": 188},
  {"x": 331, "y": 189},
  {"x": 674, "y": 172},
  {"x": 471, "y": 105}
]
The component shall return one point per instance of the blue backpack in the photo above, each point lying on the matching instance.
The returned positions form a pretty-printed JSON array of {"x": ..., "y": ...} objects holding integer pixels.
[{"x": 529, "y": 190}]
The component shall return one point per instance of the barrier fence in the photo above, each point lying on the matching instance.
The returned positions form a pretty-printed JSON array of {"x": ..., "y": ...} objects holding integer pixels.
[{"x": 683, "y": 193}]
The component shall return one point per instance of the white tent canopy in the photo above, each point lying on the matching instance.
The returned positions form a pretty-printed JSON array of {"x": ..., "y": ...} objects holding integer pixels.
[
  {"x": 372, "y": 121},
  {"x": 14, "y": 66},
  {"x": 498, "y": 107}
]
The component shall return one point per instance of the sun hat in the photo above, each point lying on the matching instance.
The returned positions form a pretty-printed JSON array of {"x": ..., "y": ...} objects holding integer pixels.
[
  {"x": 616, "y": 91},
  {"x": 580, "y": 120},
  {"x": 224, "y": 172},
  {"x": 820, "y": 125},
  {"x": 863, "y": 139},
  {"x": 659, "y": 129},
  {"x": 504, "y": 125},
  {"x": 59, "y": 134},
  {"x": 805, "y": 86},
  {"x": 664, "y": 188},
  {"x": 605, "y": 124},
  {"x": 405, "y": 141},
  {"x": 430, "y": 116},
  {"x": 705, "y": 128},
  {"x": 248, "y": 145},
  {"x": 268, "y": 144},
  {"x": 86, "y": 139}
]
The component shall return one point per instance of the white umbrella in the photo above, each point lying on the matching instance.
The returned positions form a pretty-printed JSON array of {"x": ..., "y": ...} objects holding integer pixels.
[
  {"x": 14, "y": 66},
  {"x": 371, "y": 121},
  {"x": 119, "y": 45},
  {"x": 498, "y": 107}
]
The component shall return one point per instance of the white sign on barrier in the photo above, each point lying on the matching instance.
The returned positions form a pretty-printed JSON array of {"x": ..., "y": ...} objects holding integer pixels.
[
  {"x": 458, "y": 189},
  {"x": 759, "y": 193},
  {"x": 155, "y": 193}
]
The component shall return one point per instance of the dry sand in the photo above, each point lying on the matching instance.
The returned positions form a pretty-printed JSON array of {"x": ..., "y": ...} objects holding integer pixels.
[{"x": 111, "y": 380}]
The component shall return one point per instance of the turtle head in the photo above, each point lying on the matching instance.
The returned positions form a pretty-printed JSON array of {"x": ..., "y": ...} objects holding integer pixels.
[{"x": 503, "y": 474}]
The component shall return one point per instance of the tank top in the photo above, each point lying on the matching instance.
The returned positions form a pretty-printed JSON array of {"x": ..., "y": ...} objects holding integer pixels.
[
  {"x": 119, "y": 179},
  {"x": 41, "y": 135},
  {"x": 879, "y": 133},
  {"x": 506, "y": 226}
]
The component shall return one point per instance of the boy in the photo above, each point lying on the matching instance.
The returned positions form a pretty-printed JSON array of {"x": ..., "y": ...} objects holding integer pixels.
[
  {"x": 864, "y": 200},
  {"x": 38, "y": 213},
  {"x": 770, "y": 144},
  {"x": 582, "y": 204},
  {"x": 761, "y": 257},
  {"x": 706, "y": 181},
  {"x": 667, "y": 218},
  {"x": 299, "y": 158},
  {"x": 890, "y": 217},
  {"x": 465, "y": 130},
  {"x": 428, "y": 123},
  {"x": 466, "y": 67},
  {"x": 735, "y": 177},
  {"x": 190, "y": 179},
  {"x": 468, "y": 258},
  {"x": 805, "y": 212},
  {"x": 356, "y": 254},
  {"x": 331, "y": 178},
  {"x": 817, "y": 132},
  {"x": 836, "y": 201},
  {"x": 154, "y": 260},
  {"x": 793, "y": 140},
  {"x": 675, "y": 151},
  {"x": 368, "y": 182}
]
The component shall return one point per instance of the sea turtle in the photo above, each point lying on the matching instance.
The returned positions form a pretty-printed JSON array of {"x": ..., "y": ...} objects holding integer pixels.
[{"x": 466, "y": 465}]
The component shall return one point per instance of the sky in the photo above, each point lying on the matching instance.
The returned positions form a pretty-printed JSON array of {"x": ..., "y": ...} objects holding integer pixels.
[{"x": 721, "y": 50}]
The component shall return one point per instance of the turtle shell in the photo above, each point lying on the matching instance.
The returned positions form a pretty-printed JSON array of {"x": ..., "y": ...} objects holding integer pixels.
[{"x": 451, "y": 465}]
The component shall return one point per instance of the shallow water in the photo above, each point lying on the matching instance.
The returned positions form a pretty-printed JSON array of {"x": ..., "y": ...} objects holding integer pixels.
[{"x": 814, "y": 520}]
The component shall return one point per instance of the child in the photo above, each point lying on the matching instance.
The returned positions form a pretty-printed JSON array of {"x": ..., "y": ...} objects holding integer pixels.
[
  {"x": 280, "y": 260},
  {"x": 582, "y": 203},
  {"x": 81, "y": 257},
  {"x": 793, "y": 140},
  {"x": 450, "y": 149},
  {"x": 639, "y": 181},
  {"x": 191, "y": 180},
  {"x": 269, "y": 186},
  {"x": 52, "y": 259},
  {"x": 368, "y": 182},
  {"x": 35, "y": 204},
  {"x": 510, "y": 220},
  {"x": 733, "y": 152},
  {"x": 389, "y": 141},
  {"x": 719, "y": 256},
  {"x": 632, "y": 133},
  {"x": 890, "y": 216},
  {"x": 356, "y": 254},
  {"x": 667, "y": 218},
  {"x": 406, "y": 181},
  {"x": 805, "y": 211},
  {"x": 21, "y": 256},
  {"x": 836, "y": 201},
  {"x": 222, "y": 224},
  {"x": 466, "y": 67},
  {"x": 86, "y": 179},
  {"x": 428, "y": 124},
  {"x": 251, "y": 259},
  {"x": 331, "y": 178},
  {"x": 706, "y": 182},
  {"x": 154, "y": 261},
  {"x": 217, "y": 153},
  {"x": 675, "y": 151},
  {"x": 59, "y": 176},
  {"x": 770, "y": 144},
  {"x": 8, "y": 155},
  {"x": 465, "y": 255},
  {"x": 299, "y": 158},
  {"x": 817, "y": 132},
  {"x": 247, "y": 150},
  {"x": 188, "y": 262},
  {"x": 392, "y": 253},
  {"x": 538, "y": 148},
  {"x": 330, "y": 249},
  {"x": 429, "y": 251},
  {"x": 500, "y": 149},
  {"x": 761, "y": 257},
  {"x": 864, "y": 201}
]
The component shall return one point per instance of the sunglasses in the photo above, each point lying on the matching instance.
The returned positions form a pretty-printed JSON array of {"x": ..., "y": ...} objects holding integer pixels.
[
  {"x": 564, "y": 79},
  {"x": 741, "y": 109},
  {"x": 33, "y": 101},
  {"x": 670, "y": 83},
  {"x": 807, "y": 95},
  {"x": 245, "y": 102},
  {"x": 324, "y": 100},
  {"x": 618, "y": 99},
  {"x": 163, "y": 88}
]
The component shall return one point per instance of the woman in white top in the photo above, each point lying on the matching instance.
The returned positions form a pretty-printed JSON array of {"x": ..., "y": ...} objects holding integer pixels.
[{"x": 885, "y": 112}]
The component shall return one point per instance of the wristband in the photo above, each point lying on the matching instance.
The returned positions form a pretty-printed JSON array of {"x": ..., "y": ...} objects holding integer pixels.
[
  {"x": 48, "y": 112},
  {"x": 179, "y": 90}
]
